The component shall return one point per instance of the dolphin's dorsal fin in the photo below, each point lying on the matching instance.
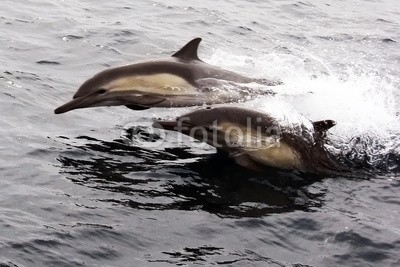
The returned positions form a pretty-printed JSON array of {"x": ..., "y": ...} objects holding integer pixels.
[
  {"x": 189, "y": 51},
  {"x": 322, "y": 126}
]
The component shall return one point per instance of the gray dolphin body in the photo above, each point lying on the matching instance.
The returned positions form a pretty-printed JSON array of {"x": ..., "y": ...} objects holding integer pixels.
[
  {"x": 177, "y": 81},
  {"x": 257, "y": 140}
]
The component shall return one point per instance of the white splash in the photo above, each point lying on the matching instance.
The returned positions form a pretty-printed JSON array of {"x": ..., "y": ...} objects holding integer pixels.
[{"x": 363, "y": 102}]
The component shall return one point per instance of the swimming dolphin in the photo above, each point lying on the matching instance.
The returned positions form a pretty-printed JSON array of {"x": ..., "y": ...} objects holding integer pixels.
[
  {"x": 255, "y": 139},
  {"x": 178, "y": 81}
]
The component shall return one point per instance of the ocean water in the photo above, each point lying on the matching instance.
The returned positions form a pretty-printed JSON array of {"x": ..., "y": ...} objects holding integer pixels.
[{"x": 78, "y": 190}]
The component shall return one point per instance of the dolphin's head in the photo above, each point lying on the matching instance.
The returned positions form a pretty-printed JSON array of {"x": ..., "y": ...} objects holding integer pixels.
[
  {"x": 228, "y": 125},
  {"x": 126, "y": 86}
]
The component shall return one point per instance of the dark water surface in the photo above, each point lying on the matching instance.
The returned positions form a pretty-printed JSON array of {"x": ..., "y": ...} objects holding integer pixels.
[{"x": 78, "y": 190}]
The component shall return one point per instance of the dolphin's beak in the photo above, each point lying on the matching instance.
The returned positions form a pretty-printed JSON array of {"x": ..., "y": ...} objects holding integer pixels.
[
  {"x": 201, "y": 133},
  {"x": 79, "y": 102},
  {"x": 166, "y": 125},
  {"x": 116, "y": 98}
]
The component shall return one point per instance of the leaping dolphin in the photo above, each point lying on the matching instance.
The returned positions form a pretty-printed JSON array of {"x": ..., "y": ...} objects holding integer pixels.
[
  {"x": 178, "y": 81},
  {"x": 255, "y": 139}
]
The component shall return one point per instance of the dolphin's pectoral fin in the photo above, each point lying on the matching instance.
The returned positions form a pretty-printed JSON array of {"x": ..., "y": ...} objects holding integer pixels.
[
  {"x": 322, "y": 126},
  {"x": 144, "y": 100},
  {"x": 137, "y": 107},
  {"x": 189, "y": 51},
  {"x": 246, "y": 161}
]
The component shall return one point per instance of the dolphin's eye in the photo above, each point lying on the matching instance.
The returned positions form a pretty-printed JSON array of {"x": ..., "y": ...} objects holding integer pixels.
[{"x": 101, "y": 91}]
